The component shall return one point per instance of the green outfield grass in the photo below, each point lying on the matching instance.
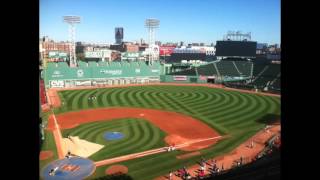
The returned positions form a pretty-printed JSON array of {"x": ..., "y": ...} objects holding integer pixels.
[{"x": 240, "y": 115}]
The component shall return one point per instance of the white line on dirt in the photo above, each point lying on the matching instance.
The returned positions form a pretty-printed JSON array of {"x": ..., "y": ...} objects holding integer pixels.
[
  {"x": 58, "y": 137},
  {"x": 149, "y": 152}
]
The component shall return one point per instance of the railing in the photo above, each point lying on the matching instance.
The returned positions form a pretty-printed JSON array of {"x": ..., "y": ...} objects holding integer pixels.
[
  {"x": 275, "y": 79},
  {"x": 263, "y": 70},
  {"x": 236, "y": 67},
  {"x": 251, "y": 70},
  {"x": 215, "y": 66}
]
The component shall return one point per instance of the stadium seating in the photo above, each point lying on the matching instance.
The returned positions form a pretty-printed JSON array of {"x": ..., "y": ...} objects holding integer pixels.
[
  {"x": 266, "y": 73},
  {"x": 258, "y": 68},
  {"x": 188, "y": 72},
  {"x": 277, "y": 83},
  {"x": 210, "y": 58},
  {"x": 244, "y": 67},
  {"x": 239, "y": 85},
  {"x": 227, "y": 68},
  {"x": 207, "y": 70},
  {"x": 267, "y": 167},
  {"x": 262, "y": 81},
  {"x": 272, "y": 71}
]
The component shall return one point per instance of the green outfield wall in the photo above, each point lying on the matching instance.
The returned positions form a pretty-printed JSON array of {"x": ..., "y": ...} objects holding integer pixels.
[
  {"x": 118, "y": 73},
  {"x": 92, "y": 73}
]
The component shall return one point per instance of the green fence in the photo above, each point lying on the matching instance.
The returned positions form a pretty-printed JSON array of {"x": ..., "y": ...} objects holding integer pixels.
[{"x": 93, "y": 70}]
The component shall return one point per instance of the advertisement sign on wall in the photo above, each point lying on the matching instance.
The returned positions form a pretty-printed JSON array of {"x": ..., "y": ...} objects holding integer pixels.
[
  {"x": 83, "y": 83},
  {"x": 52, "y": 54},
  {"x": 180, "y": 78},
  {"x": 57, "y": 54},
  {"x": 57, "y": 83},
  {"x": 111, "y": 72},
  {"x": 203, "y": 77},
  {"x": 97, "y": 54},
  {"x": 130, "y": 55},
  {"x": 166, "y": 50}
]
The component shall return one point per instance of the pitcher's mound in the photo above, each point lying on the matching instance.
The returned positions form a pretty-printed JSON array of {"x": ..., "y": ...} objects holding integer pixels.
[
  {"x": 117, "y": 169},
  {"x": 109, "y": 136},
  {"x": 45, "y": 155}
]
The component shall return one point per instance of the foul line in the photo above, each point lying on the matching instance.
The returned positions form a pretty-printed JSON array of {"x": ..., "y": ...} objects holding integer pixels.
[
  {"x": 149, "y": 152},
  {"x": 57, "y": 137}
]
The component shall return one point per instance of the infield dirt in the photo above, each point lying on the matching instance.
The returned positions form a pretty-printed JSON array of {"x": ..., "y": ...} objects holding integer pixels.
[{"x": 180, "y": 128}]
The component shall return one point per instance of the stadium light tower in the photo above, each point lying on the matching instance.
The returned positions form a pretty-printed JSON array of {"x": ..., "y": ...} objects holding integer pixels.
[
  {"x": 237, "y": 36},
  {"x": 152, "y": 25},
  {"x": 72, "y": 20}
]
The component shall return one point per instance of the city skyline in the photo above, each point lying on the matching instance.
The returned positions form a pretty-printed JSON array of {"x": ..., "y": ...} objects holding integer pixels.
[{"x": 188, "y": 21}]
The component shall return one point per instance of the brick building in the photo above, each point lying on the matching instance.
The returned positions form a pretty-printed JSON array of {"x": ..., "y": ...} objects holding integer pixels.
[{"x": 54, "y": 46}]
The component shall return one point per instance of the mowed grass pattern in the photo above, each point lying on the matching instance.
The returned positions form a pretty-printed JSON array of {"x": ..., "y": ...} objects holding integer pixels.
[
  {"x": 229, "y": 112},
  {"x": 139, "y": 135}
]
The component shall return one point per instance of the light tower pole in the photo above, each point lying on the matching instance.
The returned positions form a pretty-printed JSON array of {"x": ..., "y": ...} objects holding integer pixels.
[
  {"x": 72, "y": 20},
  {"x": 151, "y": 25}
]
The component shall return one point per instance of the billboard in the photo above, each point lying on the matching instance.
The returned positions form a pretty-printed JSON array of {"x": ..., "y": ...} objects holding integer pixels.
[
  {"x": 236, "y": 48},
  {"x": 202, "y": 77},
  {"x": 130, "y": 55},
  {"x": 166, "y": 50},
  {"x": 179, "y": 78},
  {"x": 97, "y": 54},
  {"x": 83, "y": 83},
  {"x": 57, "y": 54},
  {"x": 153, "y": 49},
  {"x": 57, "y": 83}
]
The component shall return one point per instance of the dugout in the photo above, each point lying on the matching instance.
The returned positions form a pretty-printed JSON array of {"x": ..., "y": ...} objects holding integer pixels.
[{"x": 211, "y": 80}]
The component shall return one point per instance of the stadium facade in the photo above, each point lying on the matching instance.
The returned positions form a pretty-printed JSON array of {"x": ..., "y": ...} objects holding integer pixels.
[{"x": 232, "y": 63}]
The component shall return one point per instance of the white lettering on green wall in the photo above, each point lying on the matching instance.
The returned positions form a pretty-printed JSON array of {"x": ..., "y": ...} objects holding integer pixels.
[{"x": 111, "y": 72}]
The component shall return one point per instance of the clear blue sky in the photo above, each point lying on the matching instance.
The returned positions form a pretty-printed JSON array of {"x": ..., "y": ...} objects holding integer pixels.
[{"x": 180, "y": 20}]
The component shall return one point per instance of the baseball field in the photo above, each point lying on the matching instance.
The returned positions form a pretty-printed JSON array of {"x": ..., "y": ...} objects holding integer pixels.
[{"x": 148, "y": 115}]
